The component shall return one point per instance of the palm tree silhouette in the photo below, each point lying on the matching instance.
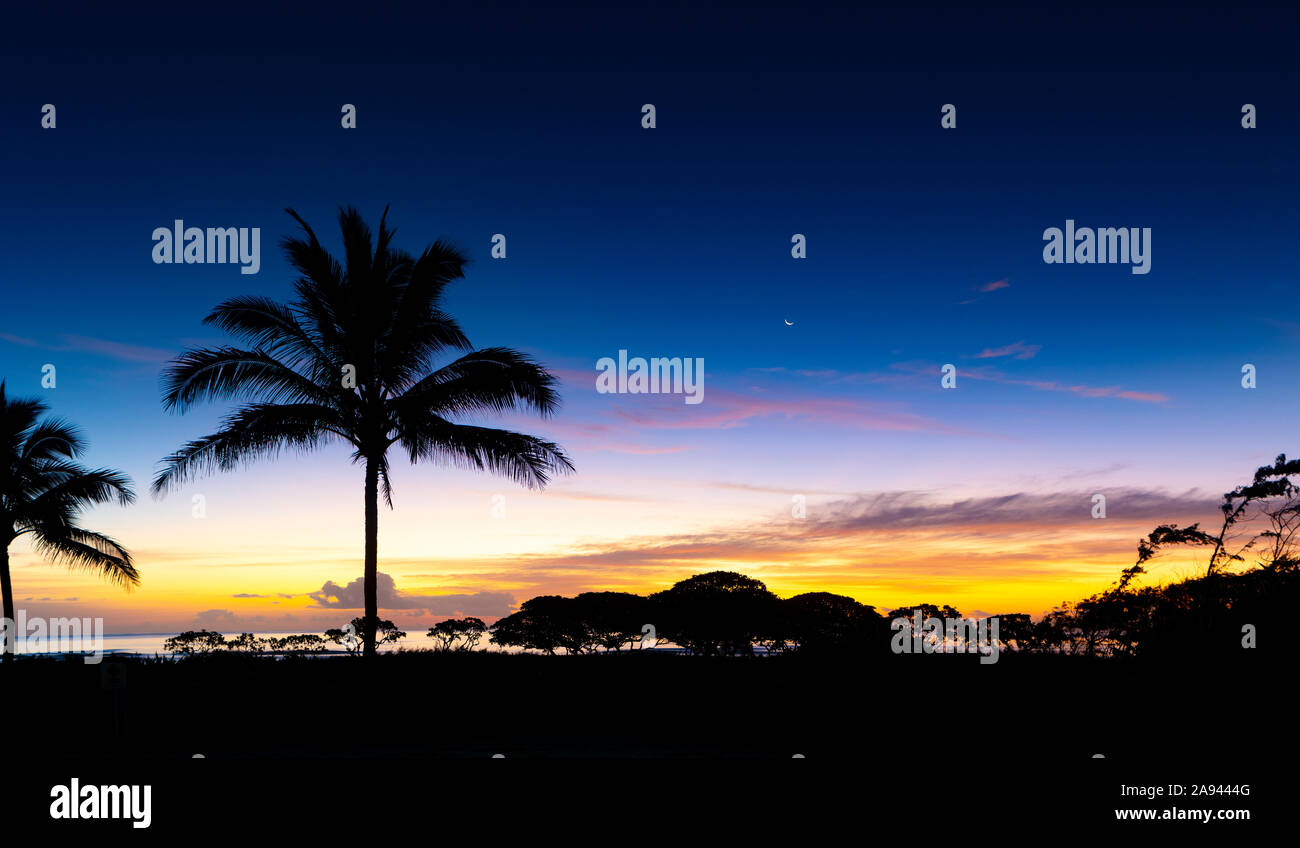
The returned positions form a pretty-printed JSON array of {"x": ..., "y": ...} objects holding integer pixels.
[
  {"x": 42, "y": 490},
  {"x": 351, "y": 359}
]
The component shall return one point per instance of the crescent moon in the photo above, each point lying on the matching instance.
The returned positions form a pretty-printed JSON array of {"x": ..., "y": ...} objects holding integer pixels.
[{"x": 789, "y": 323}]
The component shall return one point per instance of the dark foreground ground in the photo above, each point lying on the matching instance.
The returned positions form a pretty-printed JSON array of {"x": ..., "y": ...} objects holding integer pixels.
[
  {"x": 913, "y": 710},
  {"x": 893, "y": 744}
]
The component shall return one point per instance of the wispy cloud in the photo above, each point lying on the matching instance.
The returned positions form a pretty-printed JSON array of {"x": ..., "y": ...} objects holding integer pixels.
[
  {"x": 727, "y": 409},
  {"x": 116, "y": 350},
  {"x": 993, "y": 375},
  {"x": 915, "y": 370},
  {"x": 1019, "y": 350},
  {"x": 626, "y": 423},
  {"x": 592, "y": 436},
  {"x": 832, "y": 375},
  {"x": 99, "y": 347},
  {"x": 913, "y": 509},
  {"x": 986, "y": 288},
  {"x": 1079, "y": 389},
  {"x": 783, "y": 490}
]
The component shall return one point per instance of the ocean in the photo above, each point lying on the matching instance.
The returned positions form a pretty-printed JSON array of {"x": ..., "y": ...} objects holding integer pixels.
[{"x": 149, "y": 644}]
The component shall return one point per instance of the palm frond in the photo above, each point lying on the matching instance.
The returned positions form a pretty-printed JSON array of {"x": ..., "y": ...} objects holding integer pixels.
[
  {"x": 379, "y": 311},
  {"x": 267, "y": 325},
  {"x": 78, "y": 487},
  {"x": 525, "y": 459},
  {"x": 358, "y": 246},
  {"x": 494, "y": 379},
  {"x": 52, "y": 438},
  {"x": 18, "y": 416},
  {"x": 42, "y": 490},
  {"x": 229, "y": 372},
  {"x": 258, "y": 430},
  {"x": 310, "y": 258},
  {"x": 84, "y": 550},
  {"x": 419, "y": 327}
]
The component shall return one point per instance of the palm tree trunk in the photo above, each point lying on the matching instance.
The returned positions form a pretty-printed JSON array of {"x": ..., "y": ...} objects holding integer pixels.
[
  {"x": 372, "y": 555},
  {"x": 7, "y": 590}
]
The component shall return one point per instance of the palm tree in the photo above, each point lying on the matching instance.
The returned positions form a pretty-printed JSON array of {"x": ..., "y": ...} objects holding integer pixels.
[
  {"x": 352, "y": 360},
  {"x": 42, "y": 490}
]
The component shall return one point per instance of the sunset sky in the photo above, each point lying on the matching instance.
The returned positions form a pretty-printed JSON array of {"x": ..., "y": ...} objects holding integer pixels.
[{"x": 924, "y": 248}]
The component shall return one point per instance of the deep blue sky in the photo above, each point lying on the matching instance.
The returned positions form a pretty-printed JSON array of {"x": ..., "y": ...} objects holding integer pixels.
[
  {"x": 527, "y": 124},
  {"x": 525, "y": 120}
]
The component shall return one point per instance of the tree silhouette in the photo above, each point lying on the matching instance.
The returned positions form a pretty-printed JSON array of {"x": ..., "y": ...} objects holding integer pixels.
[
  {"x": 468, "y": 631},
  {"x": 301, "y": 643},
  {"x": 341, "y": 637},
  {"x": 1016, "y": 628},
  {"x": 1271, "y": 494},
  {"x": 720, "y": 612},
  {"x": 249, "y": 644},
  {"x": 42, "y": 492},
  {"x": 545, "y": 623},
  {"x": 384, "y": 632},
  {"x": 351, "y": 359},
  {"x": 1284, "y": 522},
  {"x": 592, "y": 620},
  {"x": 195, "y": 642},
  {"x": 1202, "y": 614},
  {"x": 909, "y": 615},
  {"x": 612, "y": 619},
  {"x": 823, "y": 621}
]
